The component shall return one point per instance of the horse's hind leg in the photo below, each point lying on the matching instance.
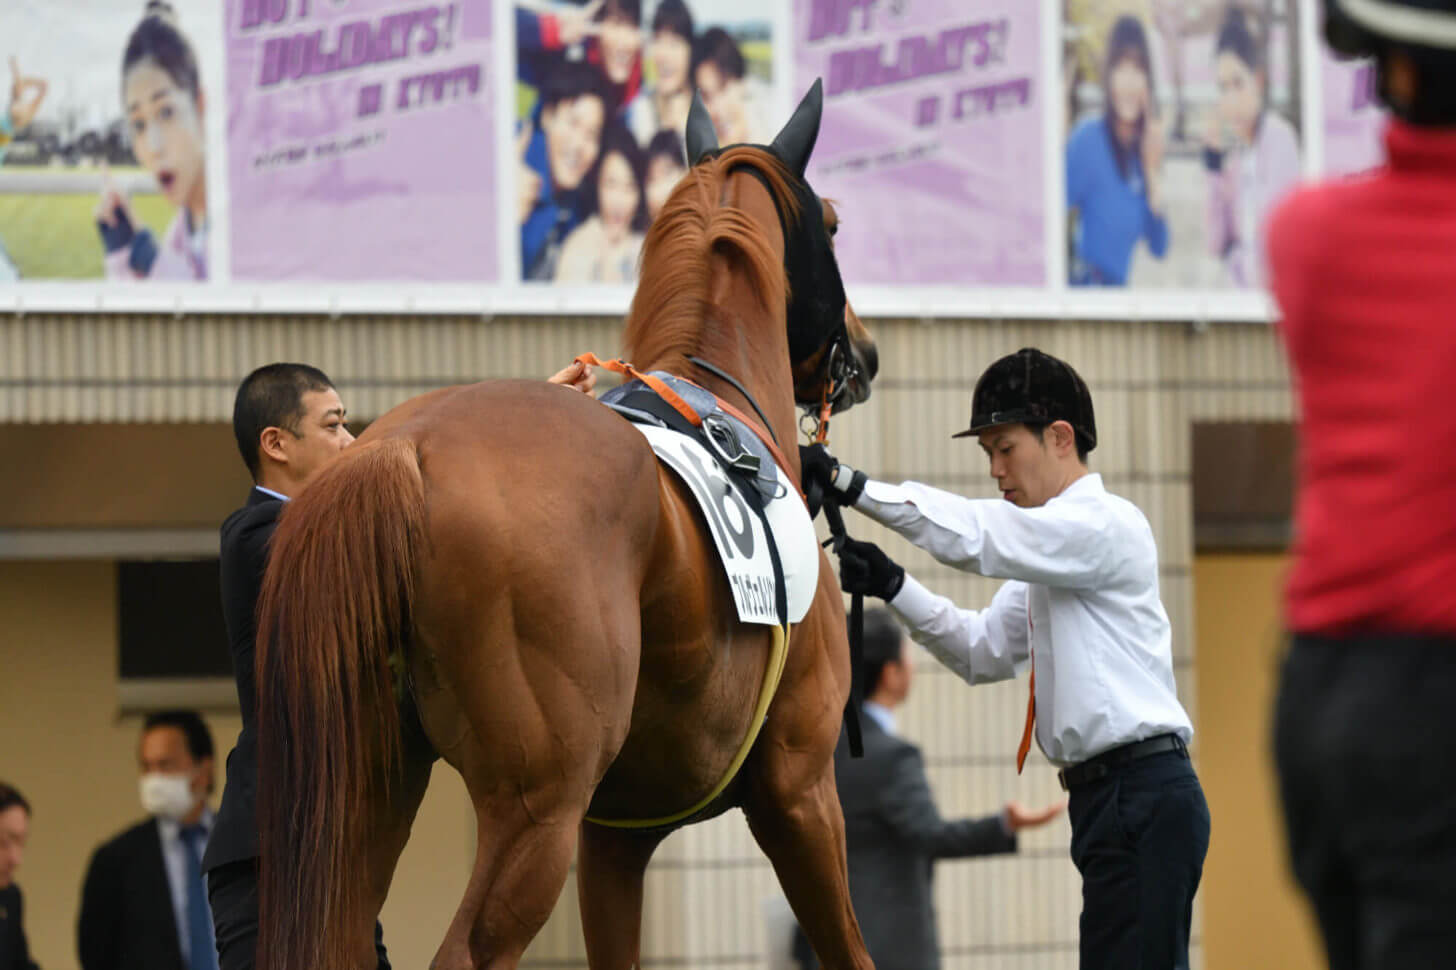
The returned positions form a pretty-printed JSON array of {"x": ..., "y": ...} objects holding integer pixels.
[
  {"x": 609, "y": 874},
  {"x": 393, "y": 819}
]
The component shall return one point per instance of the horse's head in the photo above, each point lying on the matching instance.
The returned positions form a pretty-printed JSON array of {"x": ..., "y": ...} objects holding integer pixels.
[{"x": 831, "y": 351}]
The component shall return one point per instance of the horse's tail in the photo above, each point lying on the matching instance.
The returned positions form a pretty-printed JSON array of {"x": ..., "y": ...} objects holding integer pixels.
[{"x": 334, "y": 607}]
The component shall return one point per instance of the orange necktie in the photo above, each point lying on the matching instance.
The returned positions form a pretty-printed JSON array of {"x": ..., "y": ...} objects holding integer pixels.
[{"x": 1025, "y": 745}]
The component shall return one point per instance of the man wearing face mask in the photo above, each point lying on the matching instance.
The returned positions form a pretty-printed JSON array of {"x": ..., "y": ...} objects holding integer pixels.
[{"x": 144, "y": 903}]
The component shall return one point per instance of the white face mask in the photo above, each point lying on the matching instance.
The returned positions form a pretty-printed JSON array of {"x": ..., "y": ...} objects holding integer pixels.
[{"x": 167, "y": 796}]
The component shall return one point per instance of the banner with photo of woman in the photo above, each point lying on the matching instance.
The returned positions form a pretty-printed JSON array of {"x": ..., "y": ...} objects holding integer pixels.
[
  {"x": 1184, "y": 132},
  {"x": 103, "y": 146},
  {"x": 602, "y": 95}
]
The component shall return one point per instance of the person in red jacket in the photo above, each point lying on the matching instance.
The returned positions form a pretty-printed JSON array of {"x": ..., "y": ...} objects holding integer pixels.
[{"x": 1363, "y": 273}]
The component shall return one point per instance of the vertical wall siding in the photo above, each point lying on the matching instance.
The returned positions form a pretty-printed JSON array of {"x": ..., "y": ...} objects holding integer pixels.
[{"x": 708, "y": 885}]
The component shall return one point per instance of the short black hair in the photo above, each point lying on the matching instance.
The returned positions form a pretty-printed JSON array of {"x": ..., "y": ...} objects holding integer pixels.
[
  {"x": 884, "y": 640},
  {"x": 674, "y": 17},
  {"x": 667, "y": 144},
  {"x": 1238, "y": 37},
  {"x": 1038, "y": 428},
  {"x": 272, "y": 397},
  {"x": 717, "y": 47},
  {"x": 10, "y": 797},
  {"x": 569, "y": 80},
  {"x": 192, "y": 726},
  {"x": 620, "y": 9}
]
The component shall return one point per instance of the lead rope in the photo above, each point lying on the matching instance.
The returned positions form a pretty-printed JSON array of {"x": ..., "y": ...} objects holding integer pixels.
[{"x": 837, "y": 538}]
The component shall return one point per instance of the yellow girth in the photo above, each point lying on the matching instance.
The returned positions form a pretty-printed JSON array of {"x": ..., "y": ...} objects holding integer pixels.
[{"x": 771, "y": 678}]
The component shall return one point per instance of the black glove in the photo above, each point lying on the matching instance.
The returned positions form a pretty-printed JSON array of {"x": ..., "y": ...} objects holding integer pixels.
[
  {"x": 819, "y": 468},
  {"x": 864, "y": 568}
]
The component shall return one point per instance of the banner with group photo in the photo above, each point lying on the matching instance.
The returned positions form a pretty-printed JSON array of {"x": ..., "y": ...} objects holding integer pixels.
[{"x": 1092, "y": 158}]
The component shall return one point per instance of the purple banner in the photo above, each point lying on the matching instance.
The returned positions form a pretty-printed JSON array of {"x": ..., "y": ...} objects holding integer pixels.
[
  {"x": 1354, "y": 118},
  {"x": 361, "y": 142},
  {"x": 932, "y": 139}
]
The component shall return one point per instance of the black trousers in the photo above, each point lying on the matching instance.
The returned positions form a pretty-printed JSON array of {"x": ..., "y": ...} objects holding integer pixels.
[
  {"x": 1139, "y": 837},
  {"x": 1365, "y": 740},
  {"x": 232, "y": 892}
]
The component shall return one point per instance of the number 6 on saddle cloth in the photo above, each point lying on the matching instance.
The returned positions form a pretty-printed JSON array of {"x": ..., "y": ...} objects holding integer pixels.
[{"x": 760, "y": 527}]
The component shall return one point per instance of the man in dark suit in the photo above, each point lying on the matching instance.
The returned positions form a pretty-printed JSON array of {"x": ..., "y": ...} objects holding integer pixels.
[
  {"x": 288, "y": 421},
  {"x": 143, "y": 904},
  {"x": 892, "y": 828},
  {"x": 14, "y": 830}
]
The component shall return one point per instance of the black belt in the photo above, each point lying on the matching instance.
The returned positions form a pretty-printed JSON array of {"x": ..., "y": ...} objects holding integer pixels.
[{"x": 1095, "y": 769}]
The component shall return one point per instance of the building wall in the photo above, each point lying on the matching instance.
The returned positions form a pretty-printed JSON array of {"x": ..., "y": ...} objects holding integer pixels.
[
  {"x": 1252, "y": 915},
  {"x": 708, "y": 886}
]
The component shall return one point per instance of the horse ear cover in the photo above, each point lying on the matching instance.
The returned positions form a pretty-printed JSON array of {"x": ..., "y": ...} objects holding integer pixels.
[
  {"x": 700, "y": 138},
  {"x": 795, "y": 143}
]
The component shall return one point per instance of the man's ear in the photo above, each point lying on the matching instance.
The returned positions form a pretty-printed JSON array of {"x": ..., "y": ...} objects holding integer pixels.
[
  {"x": 270, "y": 443},
  {"x": 1063, "y": 437}
]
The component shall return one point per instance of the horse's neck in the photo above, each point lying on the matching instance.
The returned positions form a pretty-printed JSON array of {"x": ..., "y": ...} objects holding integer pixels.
[{"x": 761, "y": 366}]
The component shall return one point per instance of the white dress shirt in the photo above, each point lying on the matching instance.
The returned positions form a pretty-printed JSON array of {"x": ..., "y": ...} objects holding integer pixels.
[
  {"x": 1083, "y": 599},
  {"x": 174, "y": 855},
  {"x": 882, "y": 716}
]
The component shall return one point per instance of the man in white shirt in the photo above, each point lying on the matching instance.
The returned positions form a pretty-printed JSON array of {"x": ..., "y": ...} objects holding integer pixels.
[{"x": 1081, "y": 609}]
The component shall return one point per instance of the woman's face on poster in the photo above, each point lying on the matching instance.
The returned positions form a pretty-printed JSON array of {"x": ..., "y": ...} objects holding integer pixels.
[
  {"x": 164, "y": 123},
  {"x": 724, "y": 98},
  {"x": 621, "y": 44},
  {"x": 1240, "y": 93},
  {"x": 662, "y": 175},
  {"x": 1128, "y": 85},
  {"x": 671, "y": 56},
  {"x": 573, "y": 129},
  {"x": 617, "y": 196}
]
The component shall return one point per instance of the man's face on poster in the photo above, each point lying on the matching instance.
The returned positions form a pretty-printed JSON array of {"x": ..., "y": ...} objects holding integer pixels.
[
  {"x": 573, "y": 128},
  {"x": 165, "y": 126},
  {"x": 671, "y": 56},
  {"x": 724, "y": 98}
]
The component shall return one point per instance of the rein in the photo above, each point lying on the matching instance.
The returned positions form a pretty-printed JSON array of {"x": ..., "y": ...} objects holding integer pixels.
[{"x": 838, "y": 536}]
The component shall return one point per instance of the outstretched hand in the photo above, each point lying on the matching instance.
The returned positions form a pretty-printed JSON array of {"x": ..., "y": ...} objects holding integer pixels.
[
  {"x": 1020, "y": 817},
  {"x": 576, "y": 375}
]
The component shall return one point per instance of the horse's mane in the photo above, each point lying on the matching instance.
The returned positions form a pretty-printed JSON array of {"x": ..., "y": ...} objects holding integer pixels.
[{"x": 671, "y": 308}]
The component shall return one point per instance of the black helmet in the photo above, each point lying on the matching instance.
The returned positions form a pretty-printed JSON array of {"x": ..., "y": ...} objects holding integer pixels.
[
  {"x": 1030, "y": 387},
  {"x": 1357, "y": 28}
]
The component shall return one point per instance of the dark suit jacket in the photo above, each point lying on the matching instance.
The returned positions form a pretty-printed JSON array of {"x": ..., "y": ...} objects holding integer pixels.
[
  {"x": 14, "y": 951},
  {"x": 895, "y": 835},
  {"x": 127, "y": 921},
  {"x": 242, "y": 560}
]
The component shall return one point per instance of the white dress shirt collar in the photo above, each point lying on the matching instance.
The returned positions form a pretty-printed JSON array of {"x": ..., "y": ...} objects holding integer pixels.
[{"x": 882, "y": 715}]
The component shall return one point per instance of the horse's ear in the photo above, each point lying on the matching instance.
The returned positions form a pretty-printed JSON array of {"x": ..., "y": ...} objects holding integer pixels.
[
  {"x": 701, "y": 138},
  {"x": 795, "y": 143}
]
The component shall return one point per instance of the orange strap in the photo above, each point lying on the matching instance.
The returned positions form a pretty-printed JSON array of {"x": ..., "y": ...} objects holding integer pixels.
[
  {"x": 1025, "y": 745},
  {"x": 682, "y": 407},
  {"x": 656, "y": 383}
]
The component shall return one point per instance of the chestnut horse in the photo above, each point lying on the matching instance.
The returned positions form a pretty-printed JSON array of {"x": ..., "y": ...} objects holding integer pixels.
[{"x": 434, "y": 592}]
